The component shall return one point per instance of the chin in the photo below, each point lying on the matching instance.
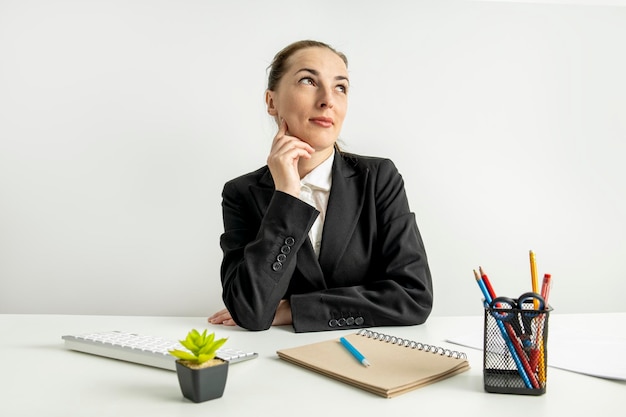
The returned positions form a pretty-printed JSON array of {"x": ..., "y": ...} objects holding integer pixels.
[{"x": 322, "y": 141}]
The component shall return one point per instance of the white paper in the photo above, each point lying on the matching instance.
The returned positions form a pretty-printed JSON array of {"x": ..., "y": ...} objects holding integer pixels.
[{"x": 596, "y": 349}]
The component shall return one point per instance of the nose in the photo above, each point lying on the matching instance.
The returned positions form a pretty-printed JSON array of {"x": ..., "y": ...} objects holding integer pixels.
[{"x": 326, "y": 99}]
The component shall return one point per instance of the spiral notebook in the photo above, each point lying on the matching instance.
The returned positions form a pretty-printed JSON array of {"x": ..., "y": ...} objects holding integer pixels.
[{"x": 396, "y": 366}]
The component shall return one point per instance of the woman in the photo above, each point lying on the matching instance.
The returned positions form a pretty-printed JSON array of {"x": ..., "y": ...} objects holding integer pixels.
[{"x": 318, "y": 238}]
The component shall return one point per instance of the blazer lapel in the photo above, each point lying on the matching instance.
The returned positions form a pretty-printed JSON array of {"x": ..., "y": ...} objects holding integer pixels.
[{"x": 344, "y": 208}]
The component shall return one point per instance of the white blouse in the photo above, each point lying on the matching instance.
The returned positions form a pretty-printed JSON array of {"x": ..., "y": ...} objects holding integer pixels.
[{"x": 315, "y": 190}]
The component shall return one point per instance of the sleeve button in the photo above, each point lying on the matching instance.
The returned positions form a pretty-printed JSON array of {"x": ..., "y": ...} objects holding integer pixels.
[
  {"x": 289, "y": 241},
  {"x": 277, "y": 266}
]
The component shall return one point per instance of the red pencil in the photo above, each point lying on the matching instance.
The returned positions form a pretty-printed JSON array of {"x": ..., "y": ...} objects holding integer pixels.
[
  {"x": 487, "y": 283},
  {"x": 545, "y": 287}
]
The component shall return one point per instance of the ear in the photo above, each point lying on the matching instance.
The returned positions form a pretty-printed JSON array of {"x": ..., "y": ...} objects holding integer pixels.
[{"x": 269, "y": 102}]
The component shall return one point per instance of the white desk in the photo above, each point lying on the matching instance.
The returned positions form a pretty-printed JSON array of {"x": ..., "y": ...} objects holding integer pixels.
[{"x": 39, "y": 377}]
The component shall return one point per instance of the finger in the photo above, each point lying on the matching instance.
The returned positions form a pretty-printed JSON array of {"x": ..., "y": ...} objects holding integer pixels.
[
  {"x": 281, "y": 135},
  {"x": 219, "y": 317},
  {"x": 289, "y": 145},
  {"x": 217, "y": 313},
  {"x": 282, "y": 129},
  {"x": 287, "y": 142},
  {"x": 219, "y": 320}
]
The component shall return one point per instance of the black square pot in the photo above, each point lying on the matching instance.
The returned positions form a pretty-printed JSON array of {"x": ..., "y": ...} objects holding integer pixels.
[{"x": 199, "y": 385}]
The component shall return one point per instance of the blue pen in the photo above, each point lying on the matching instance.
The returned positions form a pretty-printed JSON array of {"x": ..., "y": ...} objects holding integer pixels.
[{"x": 354, "y": 352}]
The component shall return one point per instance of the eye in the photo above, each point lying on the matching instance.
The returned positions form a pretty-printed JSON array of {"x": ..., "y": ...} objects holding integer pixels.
[
  {"x": 342, "y": 88},
  {"x": 306, "y": 81}
]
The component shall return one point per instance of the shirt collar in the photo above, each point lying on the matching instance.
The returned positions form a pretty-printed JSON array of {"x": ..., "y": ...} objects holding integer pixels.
[{"x": 321, "y": 176}]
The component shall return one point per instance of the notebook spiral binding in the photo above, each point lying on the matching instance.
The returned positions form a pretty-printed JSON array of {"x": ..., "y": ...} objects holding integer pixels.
[{"x": 412, "y": 344}]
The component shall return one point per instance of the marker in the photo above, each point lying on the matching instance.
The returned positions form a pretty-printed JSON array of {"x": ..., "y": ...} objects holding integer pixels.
[{"x": 354, "y": 352}]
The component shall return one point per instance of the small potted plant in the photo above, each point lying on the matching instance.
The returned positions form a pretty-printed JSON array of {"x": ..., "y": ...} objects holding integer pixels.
[{"x": 201, "y": 375}]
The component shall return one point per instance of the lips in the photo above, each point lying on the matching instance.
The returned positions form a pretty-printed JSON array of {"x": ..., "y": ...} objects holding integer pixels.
[{"x": 322, "y": 121}]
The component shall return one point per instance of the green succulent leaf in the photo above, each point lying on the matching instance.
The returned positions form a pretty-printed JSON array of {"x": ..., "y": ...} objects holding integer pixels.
[
  {"x": 197, "y": 338},
  {"x": 189, "y": 345},
  {"x": 184, "y": 355},
  {"x": 202, "y": 346},
  {"x": 211, "y": 349},
  {"x": 205, "y": 358}
]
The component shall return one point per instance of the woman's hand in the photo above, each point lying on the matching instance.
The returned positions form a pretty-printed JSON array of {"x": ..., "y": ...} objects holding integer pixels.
[
  {"x": 283, "y": 160},
  {"x": 282, "y": 316},
  {"x": 222, "y": 317}
]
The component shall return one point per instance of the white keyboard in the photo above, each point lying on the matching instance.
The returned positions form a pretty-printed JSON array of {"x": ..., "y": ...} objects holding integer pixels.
[{"x": 141, "y": 349}]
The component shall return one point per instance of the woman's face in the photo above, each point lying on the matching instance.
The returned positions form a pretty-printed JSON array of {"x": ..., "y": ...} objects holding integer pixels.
[{"x": 312, "y": 96}]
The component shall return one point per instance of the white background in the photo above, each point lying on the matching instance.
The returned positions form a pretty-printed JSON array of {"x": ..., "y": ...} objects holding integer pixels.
[{"x": 120, "y": 121}]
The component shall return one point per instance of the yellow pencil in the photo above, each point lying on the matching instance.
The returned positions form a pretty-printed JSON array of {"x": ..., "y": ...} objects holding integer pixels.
[
  {"x": 533, "y": 276},
  {"x": 542, "y": 355}
]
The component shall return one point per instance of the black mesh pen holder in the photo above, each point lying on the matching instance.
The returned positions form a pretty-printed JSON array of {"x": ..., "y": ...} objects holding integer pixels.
[{"x": 515, "y": 353}]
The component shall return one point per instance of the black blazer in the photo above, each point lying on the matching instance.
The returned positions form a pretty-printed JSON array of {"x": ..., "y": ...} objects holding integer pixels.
[{"x": 372, "y": 268}]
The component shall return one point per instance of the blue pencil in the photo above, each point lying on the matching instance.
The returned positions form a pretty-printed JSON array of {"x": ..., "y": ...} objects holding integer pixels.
[{"x": 505, "y": 336}]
